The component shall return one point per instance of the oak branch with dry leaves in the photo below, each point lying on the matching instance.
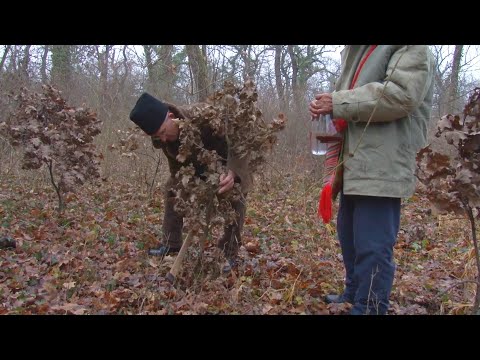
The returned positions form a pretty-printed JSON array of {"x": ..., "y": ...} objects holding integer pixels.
[
  {"x": 233, "y": 113},
  {"x": 56, "y": 135},
  {"x": 453, "y": 183}
]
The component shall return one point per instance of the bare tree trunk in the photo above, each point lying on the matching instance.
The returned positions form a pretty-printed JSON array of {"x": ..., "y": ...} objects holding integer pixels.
[
  {"x": 126, "y": 72},
  {"x": 103, "y": 61},
  {"x": 245, "y": 54},
  {"x": 295, "y": 88},
  {"x": 233, "y": 62},
  {"x": 203, "y": 77},
  {"x": 25, "y": 63},
  {"x": 476, "y": 304},
  {"x": 160, "y": 68},
  {"x": 278, "y": 77},
  {"x": 166, "y": 78},
  {"x": 4, "y": 57},
  {"x": 453, "y": 90},
  {"x": 12, "y": 64},
  {"x": 62, "y": 70},
  {"x": 152, "y": 78},
  {"x": 198, "y": 65},
  {"x": 43, "y": 67}
]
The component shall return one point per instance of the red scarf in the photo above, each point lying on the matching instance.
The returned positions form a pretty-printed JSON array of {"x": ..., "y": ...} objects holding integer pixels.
[{"x": 333, "y": 154}]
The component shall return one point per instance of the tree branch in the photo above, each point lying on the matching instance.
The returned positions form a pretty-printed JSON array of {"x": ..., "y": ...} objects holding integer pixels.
[{"x": 57, "y": 188}]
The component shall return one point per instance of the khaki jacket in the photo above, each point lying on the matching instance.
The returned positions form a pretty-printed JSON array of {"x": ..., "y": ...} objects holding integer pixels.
[{"x": 395, "y": 89}]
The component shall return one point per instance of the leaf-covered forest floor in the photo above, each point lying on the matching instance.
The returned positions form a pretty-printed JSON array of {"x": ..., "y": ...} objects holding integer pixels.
[{"x": 93, "y": 258}]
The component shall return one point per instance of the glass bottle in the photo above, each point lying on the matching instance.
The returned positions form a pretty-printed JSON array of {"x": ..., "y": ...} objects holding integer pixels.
[
  {"x": 317, "y": 127},
  {"x": 322, "y": 132}
]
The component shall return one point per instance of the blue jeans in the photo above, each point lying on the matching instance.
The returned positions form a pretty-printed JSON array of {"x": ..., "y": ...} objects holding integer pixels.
[{"x": 367, "y": 228}]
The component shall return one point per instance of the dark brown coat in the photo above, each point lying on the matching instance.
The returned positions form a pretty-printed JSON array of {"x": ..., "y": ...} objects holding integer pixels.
[{"x": 211, "y": 142}]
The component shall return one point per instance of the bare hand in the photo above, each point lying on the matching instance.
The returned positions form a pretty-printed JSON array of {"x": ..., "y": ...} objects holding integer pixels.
[
  {"x": 321, "y": 105},
  {"x": 226, "y": 182}
]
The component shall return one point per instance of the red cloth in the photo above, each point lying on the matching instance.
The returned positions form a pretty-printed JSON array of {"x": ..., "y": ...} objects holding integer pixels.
[{"x": 331, "y": 158}]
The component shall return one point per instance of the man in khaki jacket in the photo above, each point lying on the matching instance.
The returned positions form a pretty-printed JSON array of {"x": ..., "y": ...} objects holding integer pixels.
[
  {"x": 390, "y": 88},
  {"x": 155, "y": 118}
]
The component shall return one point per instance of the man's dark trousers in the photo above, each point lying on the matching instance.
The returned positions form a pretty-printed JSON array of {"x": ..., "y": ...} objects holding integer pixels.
[{"x": 367, "y": 229}]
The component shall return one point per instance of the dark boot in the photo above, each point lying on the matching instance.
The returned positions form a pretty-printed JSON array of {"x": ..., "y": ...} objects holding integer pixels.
[
  {"x": 232, "y": 239},
  {"x": 7, "y": 242},
  {"x": 230, "y": 264},
  {"x": 337, "y": 299},
  {"x": 163, "y": 250}
]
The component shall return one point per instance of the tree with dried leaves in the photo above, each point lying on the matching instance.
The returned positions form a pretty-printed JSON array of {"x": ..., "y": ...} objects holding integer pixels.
[
  {"x": 453, "y": 183},
  {"x": 56, "y": 135}
]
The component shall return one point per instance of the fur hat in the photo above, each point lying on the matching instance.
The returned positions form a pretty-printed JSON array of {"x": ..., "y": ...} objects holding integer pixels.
[{"x": 149, "y": 113}]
